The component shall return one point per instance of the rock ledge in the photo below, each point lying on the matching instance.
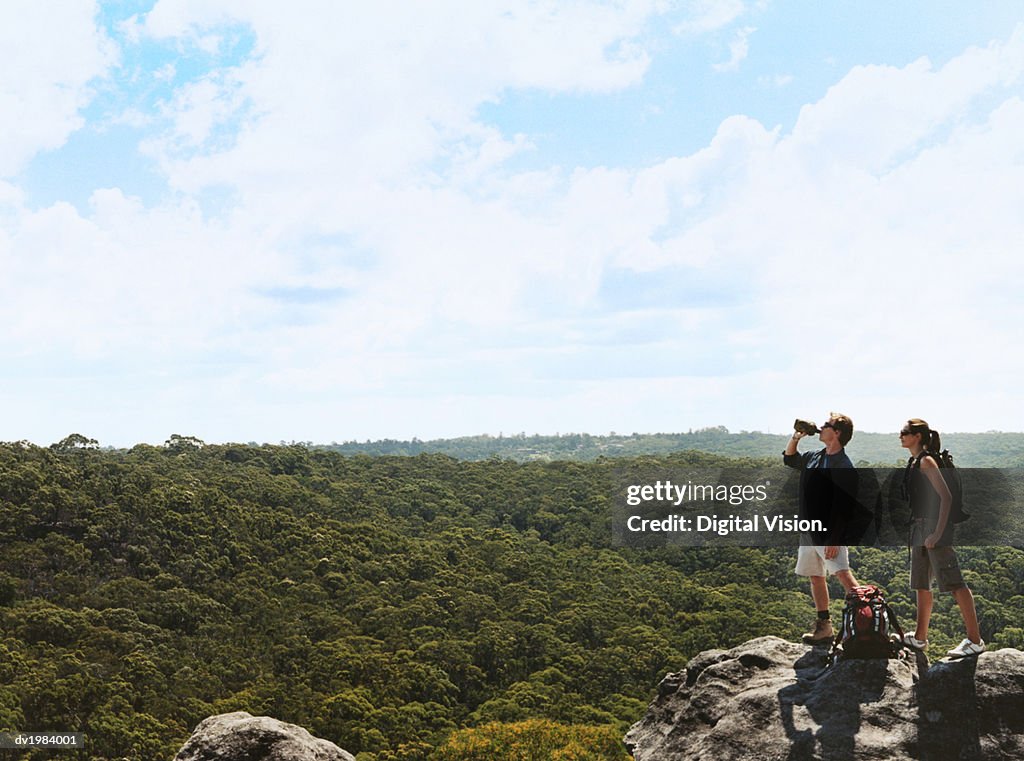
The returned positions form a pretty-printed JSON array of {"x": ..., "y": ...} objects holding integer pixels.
[
  {"x": 771, "y": 699},
  {"x": 241, "y": 736}
]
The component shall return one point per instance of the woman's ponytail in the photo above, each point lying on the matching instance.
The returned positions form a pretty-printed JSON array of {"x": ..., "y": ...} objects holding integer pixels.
[{"x": 929, "y": 439}]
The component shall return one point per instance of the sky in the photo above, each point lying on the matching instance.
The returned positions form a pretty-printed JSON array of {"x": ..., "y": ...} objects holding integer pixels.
[{"x": 244, "y": 220}]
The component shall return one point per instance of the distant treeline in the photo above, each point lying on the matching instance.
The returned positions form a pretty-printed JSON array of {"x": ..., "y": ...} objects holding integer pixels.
[{"x": 976, "y": 450}]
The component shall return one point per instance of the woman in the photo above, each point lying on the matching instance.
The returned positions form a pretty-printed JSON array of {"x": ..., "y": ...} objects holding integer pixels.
[{"x": 932, "y": 554}]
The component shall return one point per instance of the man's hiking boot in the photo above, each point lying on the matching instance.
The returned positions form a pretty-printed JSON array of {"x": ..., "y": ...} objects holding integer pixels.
[{"x": 821, "y": 634}]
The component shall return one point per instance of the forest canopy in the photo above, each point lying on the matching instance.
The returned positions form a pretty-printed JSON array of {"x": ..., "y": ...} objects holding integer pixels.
[{"x": 401, "y": 607}]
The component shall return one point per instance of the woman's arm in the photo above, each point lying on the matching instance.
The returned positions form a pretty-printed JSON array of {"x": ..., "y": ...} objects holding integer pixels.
[{"x": 931, "y": 469}]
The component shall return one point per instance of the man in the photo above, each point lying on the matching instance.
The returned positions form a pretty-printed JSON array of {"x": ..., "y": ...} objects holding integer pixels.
[{"x": 828, "y": 492}]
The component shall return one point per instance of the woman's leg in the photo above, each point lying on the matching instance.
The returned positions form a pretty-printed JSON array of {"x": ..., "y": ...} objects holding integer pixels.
[
  {"x": 965, "y": 600},
  {"x": 924, "y": 613}
]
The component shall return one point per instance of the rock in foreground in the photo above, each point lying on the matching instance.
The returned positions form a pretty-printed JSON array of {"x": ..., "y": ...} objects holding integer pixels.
[
  {"x": 243, "y": 737},
  {"x": 771, "y": 699}
]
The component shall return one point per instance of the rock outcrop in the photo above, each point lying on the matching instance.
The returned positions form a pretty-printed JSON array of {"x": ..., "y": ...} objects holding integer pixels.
[
  {"x": 241, "y": 736},
  {"x": 770, "y": 699}
]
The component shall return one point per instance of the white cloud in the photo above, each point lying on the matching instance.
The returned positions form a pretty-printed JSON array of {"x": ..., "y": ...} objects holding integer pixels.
[
  {"x": 710, "y": 15},
  {"x": 10, "y": 196},
  {"x": 52, "y": 52},
  {"x": 777, "y": 81},
  {"x": 361, "y": 98},
  {"x": 125, "y": 281},
  {"x": 165, "y": 73},
  {"x": 738, "y": 49},
  {"x": 915, "y": 101}
]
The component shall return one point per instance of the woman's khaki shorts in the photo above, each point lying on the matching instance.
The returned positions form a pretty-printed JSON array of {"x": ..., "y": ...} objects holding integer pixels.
[{"x": 937, "y": 563}]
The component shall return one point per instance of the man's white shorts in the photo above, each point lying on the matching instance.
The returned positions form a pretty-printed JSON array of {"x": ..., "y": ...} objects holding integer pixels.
[{"x": 810, "y": 561}]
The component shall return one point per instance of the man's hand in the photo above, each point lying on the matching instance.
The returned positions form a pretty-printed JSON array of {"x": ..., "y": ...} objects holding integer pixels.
[
  {"x": 932, "y": 540},
  {"x": 793, "y": 441},
  {"x": 831, "y": 551}
]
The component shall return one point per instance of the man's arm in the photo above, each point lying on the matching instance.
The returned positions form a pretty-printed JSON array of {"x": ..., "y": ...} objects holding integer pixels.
[{"x": 790, "y": 456}]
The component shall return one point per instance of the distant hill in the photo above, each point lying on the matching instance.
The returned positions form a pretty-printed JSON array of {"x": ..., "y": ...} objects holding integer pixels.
[{"x": 992, "y": 449}]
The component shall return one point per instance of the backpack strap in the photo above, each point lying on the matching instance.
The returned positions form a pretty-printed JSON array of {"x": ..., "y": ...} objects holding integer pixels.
[
  {"x": 894, "y": 621},
  {"x": 833, "y": 653},
  {"x": 898, "y": 644},
  {"x": 916, "y": 461}
]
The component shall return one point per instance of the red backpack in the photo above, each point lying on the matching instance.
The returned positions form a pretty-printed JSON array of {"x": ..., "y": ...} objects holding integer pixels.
[{"x": 868, "y": 626}]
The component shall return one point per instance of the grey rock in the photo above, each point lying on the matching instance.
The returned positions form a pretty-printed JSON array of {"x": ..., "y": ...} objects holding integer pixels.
[
  {"x": 773, "y": 700},
  {"x": 241, "y": 736}
]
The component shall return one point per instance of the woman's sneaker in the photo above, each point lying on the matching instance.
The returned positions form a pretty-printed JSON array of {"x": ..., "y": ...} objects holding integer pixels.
[
  {"x": 914, "y": 643},
  {"x": 967, "y": 648}
]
